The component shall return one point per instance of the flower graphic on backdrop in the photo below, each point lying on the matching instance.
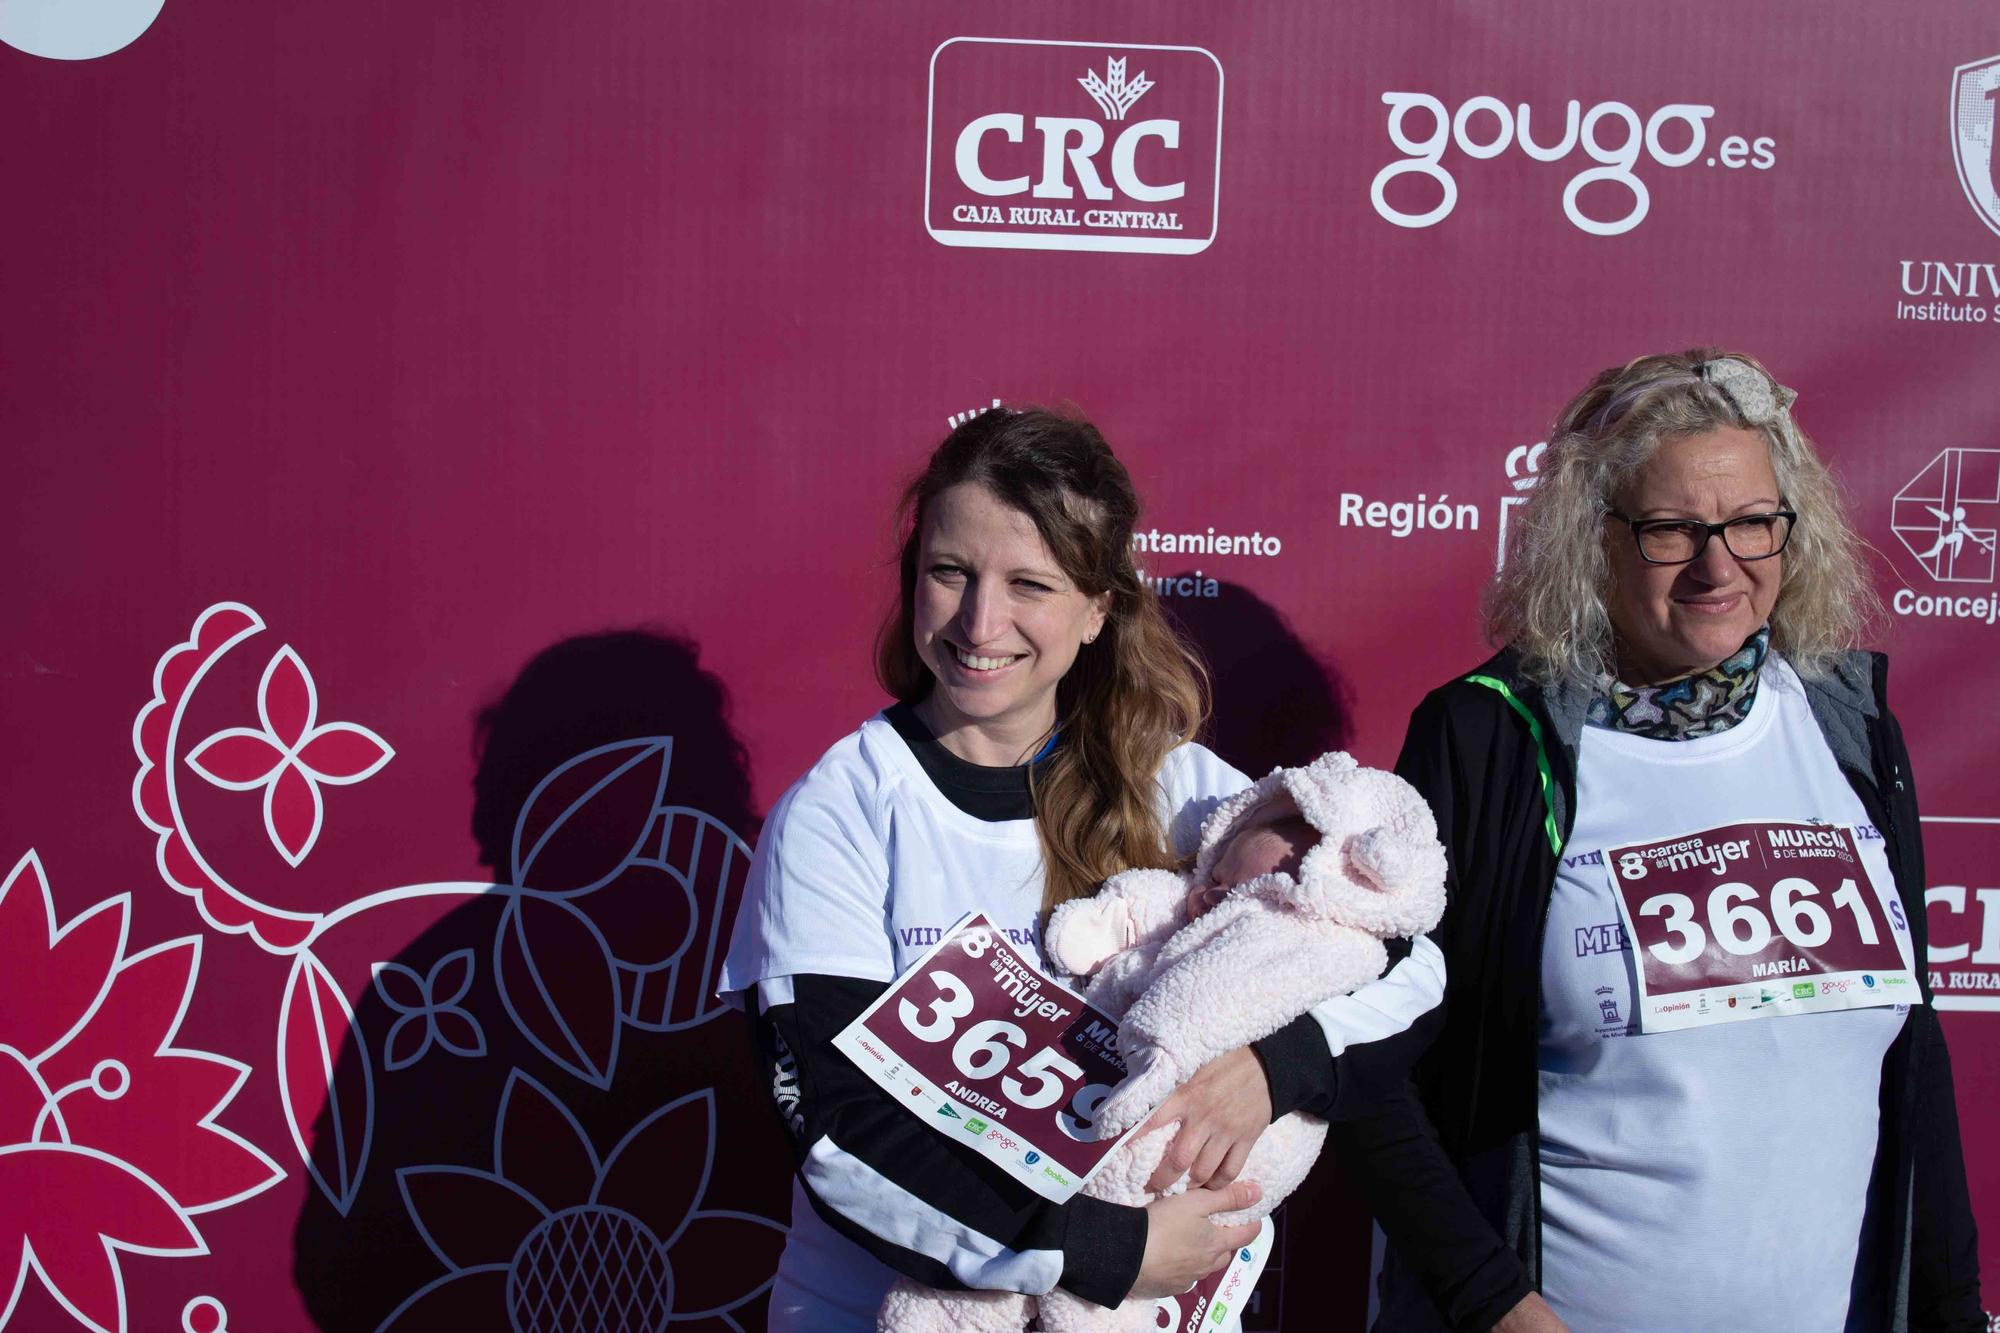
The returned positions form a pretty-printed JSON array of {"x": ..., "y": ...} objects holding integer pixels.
[
  {"x": 290, "y": 756},
  {"x": 108, "y": 1140},
  {"x": 555, "y": 1240},
  {"x": 428, "y": 1010}
]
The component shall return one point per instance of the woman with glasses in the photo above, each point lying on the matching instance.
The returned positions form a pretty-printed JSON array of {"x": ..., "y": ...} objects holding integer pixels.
[{"x": 1686, "y": 1074}]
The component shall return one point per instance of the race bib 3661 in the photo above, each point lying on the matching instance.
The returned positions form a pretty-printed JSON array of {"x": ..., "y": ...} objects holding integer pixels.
[{"x": 1757, "y": 920}]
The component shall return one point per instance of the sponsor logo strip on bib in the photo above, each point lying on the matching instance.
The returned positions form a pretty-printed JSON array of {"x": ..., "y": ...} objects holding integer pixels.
[
  {"x": 1757, "y": 920},
  {"x": 1216, "y": 1303},
  {"x": 985, "y": 1048}
]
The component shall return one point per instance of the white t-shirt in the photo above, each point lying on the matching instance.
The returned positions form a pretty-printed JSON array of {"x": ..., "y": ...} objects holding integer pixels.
[
  {"x": 865, "y": 863},
  {"x": 1712, "y": 1178},
  {"x": 861, "y": 867}
]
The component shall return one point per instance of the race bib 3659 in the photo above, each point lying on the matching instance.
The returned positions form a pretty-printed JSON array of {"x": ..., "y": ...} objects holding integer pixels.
[{"x": 985, "y": 1048}]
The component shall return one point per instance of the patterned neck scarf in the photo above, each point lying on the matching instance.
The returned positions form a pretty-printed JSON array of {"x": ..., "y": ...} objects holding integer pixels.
[{"x": 1703, "y": 704}]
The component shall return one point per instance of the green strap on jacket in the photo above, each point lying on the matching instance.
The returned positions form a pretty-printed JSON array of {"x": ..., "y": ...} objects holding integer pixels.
[{"x": 1541, "y": 756}]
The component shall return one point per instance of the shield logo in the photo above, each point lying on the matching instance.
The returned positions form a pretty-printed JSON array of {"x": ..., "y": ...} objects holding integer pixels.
[{"x": 1975, "y": 99}]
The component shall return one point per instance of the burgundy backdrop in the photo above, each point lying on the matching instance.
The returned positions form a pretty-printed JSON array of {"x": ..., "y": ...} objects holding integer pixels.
[{"x": 448, "y": 456}]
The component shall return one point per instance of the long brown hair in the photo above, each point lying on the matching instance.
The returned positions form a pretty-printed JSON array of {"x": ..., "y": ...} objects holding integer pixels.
[{"x": 1131, "y": 696}]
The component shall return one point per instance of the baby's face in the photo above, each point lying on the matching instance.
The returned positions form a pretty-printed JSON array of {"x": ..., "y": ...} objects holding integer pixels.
[{"x": 1264, "y": 850}]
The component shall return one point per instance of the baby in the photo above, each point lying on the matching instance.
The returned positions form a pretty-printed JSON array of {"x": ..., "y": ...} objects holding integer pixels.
[
  {"x": 1127, "y": 922},
  {"x": 1297, "y": 882}
]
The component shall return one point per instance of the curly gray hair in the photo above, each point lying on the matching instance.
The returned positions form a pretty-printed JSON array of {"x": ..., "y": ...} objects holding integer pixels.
[{"x": 1548, "y": 600}]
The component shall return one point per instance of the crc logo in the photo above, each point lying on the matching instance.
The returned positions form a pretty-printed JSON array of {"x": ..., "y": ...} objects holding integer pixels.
[
  {"x": 1073, "y": 146},
  {"x": 1613, "y": 135},
  {"x": 1974, "y": 937},
  {"x": 1975, "y": 97},
  {"x": 1947, "y": 515},
  {"x": 1963, "y": 908},
  {"x": 1524, "y": 469}
]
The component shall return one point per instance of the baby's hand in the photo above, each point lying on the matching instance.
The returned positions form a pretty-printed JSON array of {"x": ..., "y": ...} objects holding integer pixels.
[{"x": 1202, "y": 897}]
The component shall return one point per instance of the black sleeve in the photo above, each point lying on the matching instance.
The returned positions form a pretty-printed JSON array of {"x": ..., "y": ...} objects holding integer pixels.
[
  {"x": 1305, "y": 1075},
  {"x": 927, "y": 1207},
  {"x": 1299, "y": 1067},
  {"x": 1944, "y": 1238},
  {"x": 1471, "y": 1275}
]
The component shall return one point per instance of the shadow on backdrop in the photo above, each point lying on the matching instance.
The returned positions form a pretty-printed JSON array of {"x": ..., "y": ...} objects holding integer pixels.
[
  {"x": 543, "y": 1120},
  {"x": 1276, "y": 700}
]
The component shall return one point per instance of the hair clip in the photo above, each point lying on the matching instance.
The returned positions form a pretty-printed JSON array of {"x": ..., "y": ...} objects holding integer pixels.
[{"x": 1762, "y": 400}]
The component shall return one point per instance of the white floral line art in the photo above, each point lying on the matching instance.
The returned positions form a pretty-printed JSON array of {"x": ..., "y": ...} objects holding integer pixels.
[
  {"x": 282, "y": 764},
  {"x": 124, "y": 1137},
  {"x": 155, "y": 788},
  {"x": 437, "y": 1018},
  {"x": 577, "y": 1027},
  {"x": 627, "y": 1212}
]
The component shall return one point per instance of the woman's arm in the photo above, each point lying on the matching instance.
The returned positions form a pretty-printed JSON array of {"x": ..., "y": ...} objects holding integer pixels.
[
  {"x": 1944, "y": 1244},
  {"x": 810, "y": 954},
  {"x": 1337, "y": 1060},
  {"x": 1389, "y": 1145},
  {"x": 1944, "y": 1240},
  {"x": 1345, "y": 1056},
  {"x": 933, "y": 1211},
  {"x": 1472, "y": 1276},
  {"x": 903, "y": 1192}
]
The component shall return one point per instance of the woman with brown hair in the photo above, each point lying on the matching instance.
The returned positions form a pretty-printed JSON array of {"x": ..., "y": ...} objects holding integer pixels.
[{"x": 1041, "y": 741}]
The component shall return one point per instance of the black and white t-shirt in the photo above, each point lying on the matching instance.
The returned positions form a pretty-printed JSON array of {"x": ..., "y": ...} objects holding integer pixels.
[
  {"x": 880, "y": 847},
  {"x": 871, "y": 857},
  {"x": 886, "y": 842}
]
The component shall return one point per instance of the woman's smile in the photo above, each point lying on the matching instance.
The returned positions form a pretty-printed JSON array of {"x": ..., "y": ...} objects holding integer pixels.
[{"x": 983, "y": 664}]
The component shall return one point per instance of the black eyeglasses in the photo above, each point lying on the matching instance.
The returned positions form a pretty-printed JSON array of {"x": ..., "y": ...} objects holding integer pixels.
[{"x": 1676, "y": 541}]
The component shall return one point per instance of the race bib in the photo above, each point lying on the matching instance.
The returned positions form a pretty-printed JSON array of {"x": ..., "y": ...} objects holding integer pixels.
[
  {"x": 1216, "y": 1303},
  {"x": 1757, "y": 920},
  {"x": 985, "y": 1048}
]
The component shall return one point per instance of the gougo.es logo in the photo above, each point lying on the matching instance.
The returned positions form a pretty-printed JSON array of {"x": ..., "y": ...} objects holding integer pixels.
[{"x": 1613, "y": 135}]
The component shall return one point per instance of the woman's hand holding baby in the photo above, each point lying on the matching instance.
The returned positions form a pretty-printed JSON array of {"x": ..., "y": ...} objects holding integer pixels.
[
  {"x": 1223, "y": 1109},
  {"x": 1183, "y": 1246}
]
